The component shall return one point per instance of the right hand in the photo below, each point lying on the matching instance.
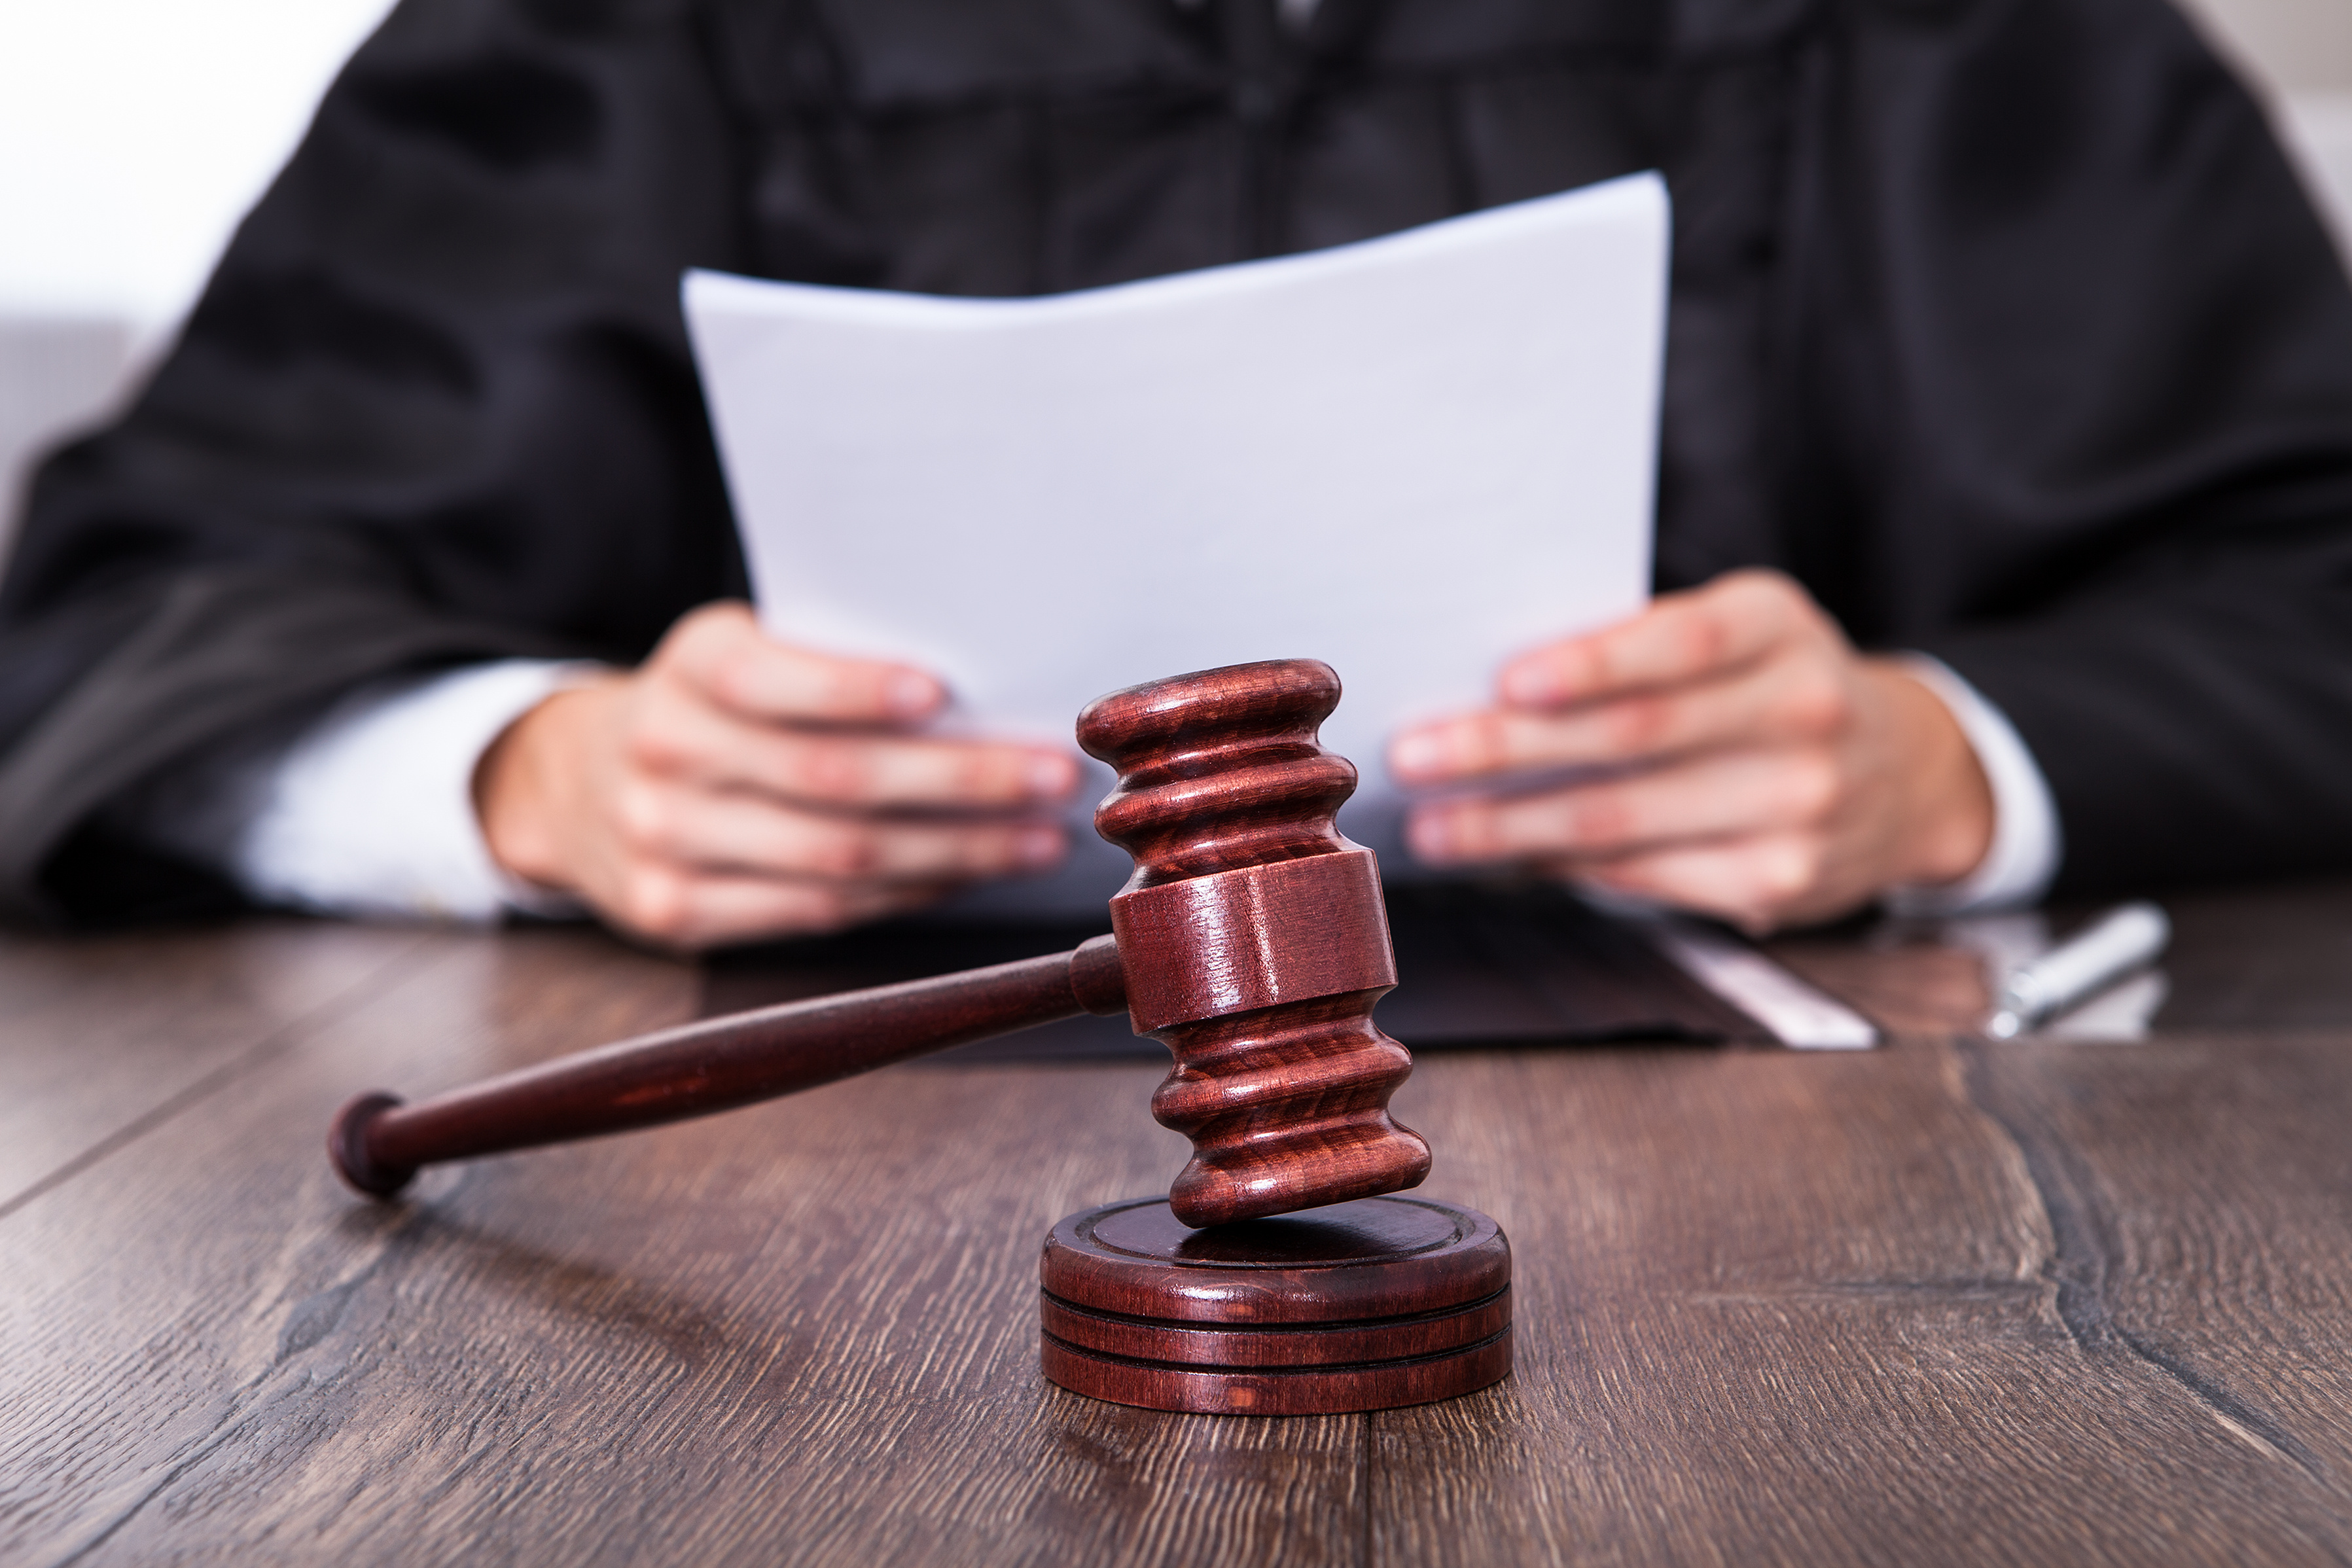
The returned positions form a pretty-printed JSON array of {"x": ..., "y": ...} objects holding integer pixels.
[{"x": 735, "y": 787}]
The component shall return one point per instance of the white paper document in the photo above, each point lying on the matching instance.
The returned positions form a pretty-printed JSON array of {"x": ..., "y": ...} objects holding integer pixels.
[{"x": 1409, "y": 458}]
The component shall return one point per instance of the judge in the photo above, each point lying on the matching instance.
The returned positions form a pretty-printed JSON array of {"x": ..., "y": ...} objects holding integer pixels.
[{"x": 2005, "y": 515}]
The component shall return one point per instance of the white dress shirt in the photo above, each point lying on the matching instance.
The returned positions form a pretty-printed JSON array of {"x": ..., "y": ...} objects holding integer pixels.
[
  {"x": 2026, "y": 848},
  {"x": 369, "y": 810}
]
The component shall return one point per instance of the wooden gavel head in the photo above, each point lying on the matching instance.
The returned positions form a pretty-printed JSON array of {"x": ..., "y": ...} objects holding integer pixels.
[{"x": 1254, "y": 940}]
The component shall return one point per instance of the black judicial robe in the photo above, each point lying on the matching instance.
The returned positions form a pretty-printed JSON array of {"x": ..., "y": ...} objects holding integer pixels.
[{"x": 2000, "y": 323}]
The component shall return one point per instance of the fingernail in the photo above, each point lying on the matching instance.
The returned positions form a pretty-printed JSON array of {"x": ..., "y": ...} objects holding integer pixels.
[
  {"x": 1419, "y": 753},
  {"x": 1531, "y": 686},
  {"x": 911, "y": 694},
  {"x": 1038, "y": 847},
  {"x": 1052, "y": 776},
  {"x": 1430, "y": 836}
]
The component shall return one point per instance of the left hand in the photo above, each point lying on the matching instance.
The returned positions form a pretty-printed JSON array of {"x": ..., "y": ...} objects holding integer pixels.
[{"x": 1758, "y": 768}]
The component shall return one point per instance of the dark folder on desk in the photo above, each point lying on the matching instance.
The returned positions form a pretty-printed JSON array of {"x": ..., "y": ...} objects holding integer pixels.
[{"x": 1477, "y": 967}]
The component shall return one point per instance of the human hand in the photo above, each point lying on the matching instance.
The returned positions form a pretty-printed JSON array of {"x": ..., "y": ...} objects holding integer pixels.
[
  {"x": 1758, "y": 768},
  {"x": 733, "y": 786}
]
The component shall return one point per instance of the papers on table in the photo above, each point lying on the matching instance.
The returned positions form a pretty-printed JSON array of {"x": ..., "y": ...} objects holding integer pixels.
[{"x": 1408, "y": 457}]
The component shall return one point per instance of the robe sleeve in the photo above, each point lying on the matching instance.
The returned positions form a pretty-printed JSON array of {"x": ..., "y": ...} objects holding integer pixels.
[
  {"x": 2089, "y": 353},
  {"x": 435, "y": 405}
]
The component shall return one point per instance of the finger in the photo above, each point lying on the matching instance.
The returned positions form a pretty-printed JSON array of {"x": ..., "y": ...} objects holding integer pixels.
[
  {"x": 675, "y": 908},
  {"x": 1710, "y": 796},
  {"x": 692, "y": 743},
  {"x": 1757, "y": 882},
  {"x": 1680, "y": 637},
  {"x": 1777, "y": 702},
  {"x": 746, "y": 835},
  {"x": 721, "y": 653}
]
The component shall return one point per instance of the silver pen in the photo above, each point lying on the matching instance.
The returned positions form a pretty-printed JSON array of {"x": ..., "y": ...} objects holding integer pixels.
[{"x": 2112, "y": 947}]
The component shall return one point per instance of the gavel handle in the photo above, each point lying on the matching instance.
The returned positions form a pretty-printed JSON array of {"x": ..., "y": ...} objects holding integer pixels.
[{"x": 377, "y": 1142}]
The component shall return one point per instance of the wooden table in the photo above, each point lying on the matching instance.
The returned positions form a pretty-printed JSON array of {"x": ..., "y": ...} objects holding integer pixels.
[{"x": 1946, "y": 1301}]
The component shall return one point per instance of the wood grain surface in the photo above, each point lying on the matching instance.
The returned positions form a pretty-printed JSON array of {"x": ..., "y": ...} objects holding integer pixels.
[
  {"x": 102, "y": 1036},
  {"x": 1945, "y": 1302}
]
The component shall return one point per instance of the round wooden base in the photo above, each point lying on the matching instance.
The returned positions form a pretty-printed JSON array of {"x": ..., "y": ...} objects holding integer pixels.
[{"x": 1360, "y": 1306}]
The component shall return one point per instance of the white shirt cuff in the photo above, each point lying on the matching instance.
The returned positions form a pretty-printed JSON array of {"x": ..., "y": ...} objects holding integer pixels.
[
  {"x": 2023, "y": 858},
  {"x": 371, "y": 811}
]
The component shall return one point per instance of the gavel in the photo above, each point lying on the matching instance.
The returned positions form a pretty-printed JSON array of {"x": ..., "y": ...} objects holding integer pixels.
[{"x": 1252, "y": 941}]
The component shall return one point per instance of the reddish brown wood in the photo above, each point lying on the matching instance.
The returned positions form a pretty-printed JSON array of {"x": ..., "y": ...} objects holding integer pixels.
[
  {"x": 1336, "y": 1344},
  {"x": 1364, "y": 1306},
  {"x": 1933, "y": 1303},
  {"x": 1372, "y": 1258},
  {"x": 377, "y": 1143},
  {"x": 1253, "y": 940}
]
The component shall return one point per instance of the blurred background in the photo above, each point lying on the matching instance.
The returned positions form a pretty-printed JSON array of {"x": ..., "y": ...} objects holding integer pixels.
[{"x": 133, "y": 133}]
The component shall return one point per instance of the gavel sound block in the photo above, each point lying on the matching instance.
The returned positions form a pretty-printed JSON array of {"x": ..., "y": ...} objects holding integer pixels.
[{"x": 1251, "y": 941}]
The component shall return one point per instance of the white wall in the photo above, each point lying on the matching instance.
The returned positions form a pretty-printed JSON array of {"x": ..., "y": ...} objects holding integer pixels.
[
  {"x": 2317, "y": 129},
  {"x": 2295, "y": 45},
  {"x": 133, "y": 133},
  {"x": 2298, "y": 53}
]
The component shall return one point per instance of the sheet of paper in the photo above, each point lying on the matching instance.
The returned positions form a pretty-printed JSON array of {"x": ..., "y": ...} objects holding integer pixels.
[{"x": 1408, "y": 457}]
